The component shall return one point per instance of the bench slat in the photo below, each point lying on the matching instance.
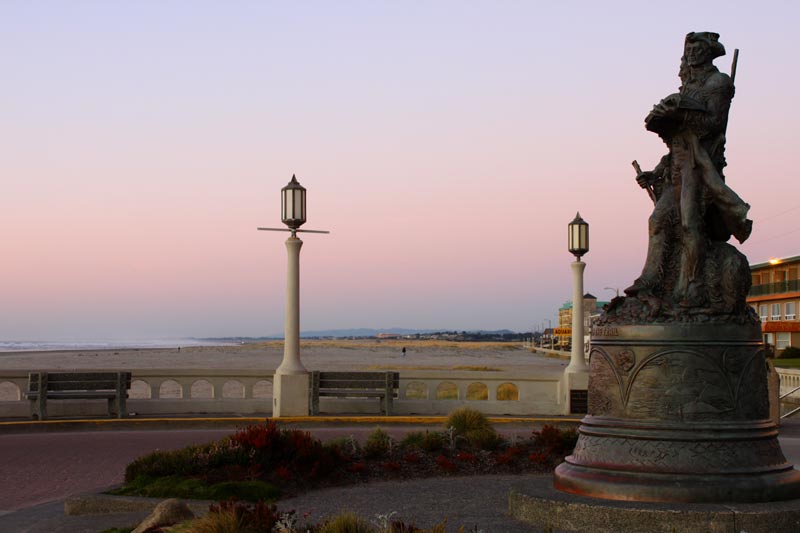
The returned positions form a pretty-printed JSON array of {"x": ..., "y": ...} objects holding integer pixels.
[
  {"x": 353, "y": 375},
  {"x": 352, "y": 393},
  {"x": 350, "y": 384},
  {"x": 82, "y": 376},
  {"x": 77, "y": 395},
  {"x": 78, "y": 385}
]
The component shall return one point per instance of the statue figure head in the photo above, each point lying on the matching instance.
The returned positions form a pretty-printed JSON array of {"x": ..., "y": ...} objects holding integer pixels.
[{"x": 702, "y": 47}]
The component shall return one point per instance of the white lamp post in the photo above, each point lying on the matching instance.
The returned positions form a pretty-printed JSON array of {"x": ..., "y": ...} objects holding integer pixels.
[
  {"x": 290, "y": 386},
  {"x": 578, "y": 231}
]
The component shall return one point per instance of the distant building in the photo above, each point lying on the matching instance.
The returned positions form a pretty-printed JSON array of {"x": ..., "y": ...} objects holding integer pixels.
[
  {"x": 775, "y": 296},
  {"x": 591, "y": 309}
]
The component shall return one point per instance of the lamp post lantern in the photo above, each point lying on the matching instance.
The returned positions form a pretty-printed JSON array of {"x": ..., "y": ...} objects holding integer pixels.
[
  {"x": 578, "y": 237},
  {"x": 293, "y": 204},
  {"x": 290, "y": 386},
  {"x": 578, "y": 244}
]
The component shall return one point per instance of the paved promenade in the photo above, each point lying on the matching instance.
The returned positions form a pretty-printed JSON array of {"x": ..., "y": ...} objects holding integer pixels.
[{"x": 39, "y": 470}]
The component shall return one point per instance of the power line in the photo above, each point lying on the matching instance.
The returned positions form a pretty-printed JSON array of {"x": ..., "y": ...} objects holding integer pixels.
[
  {"x": 779, "y": 214},
  {"x": 759, "y": 241}
]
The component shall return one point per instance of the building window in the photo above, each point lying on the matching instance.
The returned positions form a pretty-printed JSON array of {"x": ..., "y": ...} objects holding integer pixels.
[
  {"x": 790, "y": 311},
  {"x": 762, "y": 312},
  {"x": 776, "y": 311},
  {"x": 782, "y": 340}
]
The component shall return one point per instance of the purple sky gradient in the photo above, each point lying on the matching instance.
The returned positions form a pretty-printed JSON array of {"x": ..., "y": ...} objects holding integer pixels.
[{"x": 446, "y": 145}]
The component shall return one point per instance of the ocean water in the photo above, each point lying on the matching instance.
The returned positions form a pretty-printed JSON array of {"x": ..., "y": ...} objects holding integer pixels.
[{"x": 36, "y": 346}]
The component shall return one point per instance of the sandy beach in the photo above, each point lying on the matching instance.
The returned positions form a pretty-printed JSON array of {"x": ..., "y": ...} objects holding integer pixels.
[{"x": 316, "y": 355}]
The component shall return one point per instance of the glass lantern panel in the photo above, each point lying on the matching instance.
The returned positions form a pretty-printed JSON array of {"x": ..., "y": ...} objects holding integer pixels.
[
  {"x": 299, "y": 211},
  {"x": 288, "y": 205},
  {"x": 574, "y": 238}
]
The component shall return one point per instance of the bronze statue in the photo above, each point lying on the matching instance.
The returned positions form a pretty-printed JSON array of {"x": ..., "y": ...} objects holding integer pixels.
[
  {"x": 690, "y": 272},
  {"x": 678, "y": 404}
]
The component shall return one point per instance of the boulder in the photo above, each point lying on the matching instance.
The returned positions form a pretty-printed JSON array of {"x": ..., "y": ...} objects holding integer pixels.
[{"x": 167, "y": 513}]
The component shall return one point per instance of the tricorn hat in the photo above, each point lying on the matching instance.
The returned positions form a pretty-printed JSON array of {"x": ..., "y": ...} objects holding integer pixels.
[{"x": 708, "y": 38}]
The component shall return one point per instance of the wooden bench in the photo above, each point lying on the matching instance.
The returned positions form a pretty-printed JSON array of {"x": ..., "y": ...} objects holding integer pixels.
[
  {"x": 381, "y": 385},
  {"x": 111, "y": 386}
]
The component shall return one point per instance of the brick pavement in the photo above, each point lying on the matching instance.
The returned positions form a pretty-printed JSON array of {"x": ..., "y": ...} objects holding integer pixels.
[
  {"x": 37, "y": 468},
  {"x": 40, "y": 467}
]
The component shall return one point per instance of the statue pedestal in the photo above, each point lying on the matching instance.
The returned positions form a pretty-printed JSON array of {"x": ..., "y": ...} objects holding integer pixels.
[{"x": 678, "y": 413}]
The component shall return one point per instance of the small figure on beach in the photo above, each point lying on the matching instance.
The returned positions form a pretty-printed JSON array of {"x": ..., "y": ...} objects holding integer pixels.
[{"x": 404, "y": 351}]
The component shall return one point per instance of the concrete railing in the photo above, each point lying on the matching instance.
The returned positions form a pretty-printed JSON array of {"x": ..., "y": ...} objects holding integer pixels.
[
  {"x": 790, "y": 380},
  {"x": 426, "y": 392}
]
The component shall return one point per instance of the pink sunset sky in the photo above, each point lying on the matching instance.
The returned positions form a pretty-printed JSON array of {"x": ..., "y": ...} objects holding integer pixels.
[{"x": 446, "y": 145}]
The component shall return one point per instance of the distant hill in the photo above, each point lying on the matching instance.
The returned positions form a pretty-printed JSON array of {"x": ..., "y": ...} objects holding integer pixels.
[{"x": 355, "y": 332}]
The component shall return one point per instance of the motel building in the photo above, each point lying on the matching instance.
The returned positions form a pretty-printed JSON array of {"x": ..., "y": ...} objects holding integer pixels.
[
  {"x": 775, "y": 296},
  {"x": 591, "y": 310}
]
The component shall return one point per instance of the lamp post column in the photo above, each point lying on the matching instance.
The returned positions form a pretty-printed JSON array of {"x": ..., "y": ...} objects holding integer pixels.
[
  {"x": 576, "y": 375},
  {"x": 577, "y": 361},
  {"x": 291, "y": 363},
  {"x": 290, "y": 387}
]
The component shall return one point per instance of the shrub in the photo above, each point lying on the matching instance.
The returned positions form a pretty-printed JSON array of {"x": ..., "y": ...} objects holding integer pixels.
[
  {"x": 286, "y": 454},
  {"x": 445, "y": 464},
  {"x": 429, "y": 441},
  {"x": 412, "y": 458},
  {"x": 185, "y": 462},
  {"x": 219, "y": 522},
  {"x": 484, "y": 439},
  {"x": 466, "y": 457},
  {"x": 194, "y": 488},
  {"x": 357, "y": 468},
  {"x": 344, "y": 446},
  {"x": 346, "y": 523},
  {"x": 790, "y": 352},
  {"x": 413, "y": 439},
  {"x": 555, "y": 440},
  {"x": 538, "y": 458},
  {"x": 391, "y": 466},
  {"x": 465, "y": 420},
  {"x": 432, "y": 441},
  {"x": 233, "y": 516},
  {"x": 378, "y": 443},
  {"x": 509, "y": 456}
]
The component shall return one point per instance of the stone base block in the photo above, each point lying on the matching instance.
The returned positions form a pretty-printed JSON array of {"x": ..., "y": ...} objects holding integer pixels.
[
  {"x": 536, "y": 502},
  {"x": 290, "y": 395}
]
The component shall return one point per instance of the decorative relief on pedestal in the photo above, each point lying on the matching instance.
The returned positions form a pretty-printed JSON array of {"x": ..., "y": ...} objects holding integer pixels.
[{"x": 682, "y": 383}]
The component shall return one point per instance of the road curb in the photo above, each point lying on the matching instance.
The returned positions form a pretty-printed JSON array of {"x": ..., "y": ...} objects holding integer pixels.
[{"x": 100, "y": 503}]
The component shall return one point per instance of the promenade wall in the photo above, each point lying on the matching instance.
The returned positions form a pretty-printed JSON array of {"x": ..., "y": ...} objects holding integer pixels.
[{"x": 249, "y": 392}]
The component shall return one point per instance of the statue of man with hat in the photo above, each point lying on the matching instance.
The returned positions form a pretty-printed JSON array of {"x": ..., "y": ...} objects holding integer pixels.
[{"x": 692, "y": 122}]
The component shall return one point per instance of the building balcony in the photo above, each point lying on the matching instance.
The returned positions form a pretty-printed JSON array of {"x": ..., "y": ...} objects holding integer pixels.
[{"x": 792, "y": 285}]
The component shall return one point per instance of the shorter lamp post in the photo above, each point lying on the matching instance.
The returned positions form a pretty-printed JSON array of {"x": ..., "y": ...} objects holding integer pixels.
[
  {"x": 290, "y": 387},
  {"x": 550, "y": 328},
  {"x": 578, "y": 246}
]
